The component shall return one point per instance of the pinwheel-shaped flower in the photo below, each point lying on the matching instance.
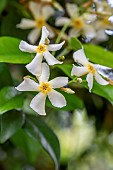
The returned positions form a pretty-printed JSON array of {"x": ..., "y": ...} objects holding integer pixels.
[
  {"x": 87, "y": 68},
  {"x": 41, "y": 14},
  {"x": 45, "y": 88},
  {"x": 41, "y": 50},
  {"x": 79, "y": 23}
]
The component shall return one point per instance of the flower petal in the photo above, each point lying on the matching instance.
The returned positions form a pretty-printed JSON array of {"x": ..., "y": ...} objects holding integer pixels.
[
  {"x": 57, "y": 99},
  {"x": 24, "y": 46},
  {"x": 89, "y": 31},
  {"x": 45, "y": 73},
  {"x": 101, "y": 36},
  {"x": 47, "y": 12},
  {"x": 51, "y": 31},
  {"x": 55, "y": 47},
  {"x": 35, "y": 9},
  {"x": 79, "y": 56},
  {"x": 34, "y": 35},
  {"x": 74, "y": 32},
  {"x": 38, "y": 103},
  {"x": 59, "y": 82},
  {"x": 45, "y": 35},
  {"x": 26, "y": 24},
  {"x": 89, "y": 79},
  {"x": 35, "y": 66},
  {"x": 28, "y": 85},
  {"x": 79, "y": 71},
  {"x": 60, "y": 21},
  {"x": 51, "y": 60},
  {"x": 72, "y": 10},
  {"x": 100, "y": 80}
]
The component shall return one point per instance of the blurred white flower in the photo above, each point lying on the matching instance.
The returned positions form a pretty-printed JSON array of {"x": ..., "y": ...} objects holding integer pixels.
[
  {"x": 87, "y": 68},
  {"x": 42, "y": 50},
  {"x": 45, "y": 88},
  {"x": 100, "y": 26},
  {"x": 40, "y": 14},
  {"x": 80, "y": 23}
]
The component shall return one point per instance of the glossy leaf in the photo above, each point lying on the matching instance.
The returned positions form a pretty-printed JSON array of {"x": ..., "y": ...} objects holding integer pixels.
[
  {"x": 10, "y": 53},
  {"x": 104, "y": 91},
  {"x": 10, "y": 99},
  {"x": 38, "y": 130},
  {"x": 75, "y": 44},
  {"x": 99, "y": 55},
  {"x": 9, "y": 124}
]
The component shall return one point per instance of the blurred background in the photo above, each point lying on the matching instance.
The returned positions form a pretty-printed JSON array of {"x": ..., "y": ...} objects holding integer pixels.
[{"x": 85, "y": 127}]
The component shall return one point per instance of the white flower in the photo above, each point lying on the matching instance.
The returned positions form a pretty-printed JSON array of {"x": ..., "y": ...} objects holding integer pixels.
[
  {"x": 100, "y": 26},
  {"x": 87, "y": 68},
  {"x": 45, "y": 88},
  {"x": 78, "y": 23},
  {"x": 41, "y": 50},
  {"x": 41, "y": 14}
]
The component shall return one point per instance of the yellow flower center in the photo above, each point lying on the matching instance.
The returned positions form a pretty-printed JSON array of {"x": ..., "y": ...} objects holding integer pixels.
[
  {"x": 91, "y": 68},
  {"x": 78, "y": 23},
  {"x": 105, "y": 21},
  {"x": 40, "y": 22},
  {"x": 41, "y": 48},
  {"x": 45, "y": 87}
]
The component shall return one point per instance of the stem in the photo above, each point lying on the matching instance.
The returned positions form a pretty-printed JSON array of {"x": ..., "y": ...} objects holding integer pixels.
[{"x": 60, "y": 35}]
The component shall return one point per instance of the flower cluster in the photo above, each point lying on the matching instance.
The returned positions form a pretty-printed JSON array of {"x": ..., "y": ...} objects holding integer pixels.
[
  {"x": 94, "y": 22},
  {"x": 41, "y": 70}
]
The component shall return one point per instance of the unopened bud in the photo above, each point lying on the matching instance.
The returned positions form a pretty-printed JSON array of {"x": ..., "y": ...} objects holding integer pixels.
[
  {"x": 67, "y": 90},
  {"x": 61, "y": 58},
  {"x": 79, "y": 80}
]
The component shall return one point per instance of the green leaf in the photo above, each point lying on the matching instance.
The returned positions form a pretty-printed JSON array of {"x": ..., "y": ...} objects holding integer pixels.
[
  {"x": 9, "y": 124},
  {"x": 104, "y": 91},
  {"x": 75, "y": 44},
  {"x": 38, "y": 130},
  {"x": 99, "y": 55},
  {"x": 66, "y": 68},
  {"x": 4, "y": 72},
  {"x": 10, "y": 53},
  {"x": 28, "y": 145},
  {"x": 3, "y": 4},
  {"x": 10, "y": 99}
]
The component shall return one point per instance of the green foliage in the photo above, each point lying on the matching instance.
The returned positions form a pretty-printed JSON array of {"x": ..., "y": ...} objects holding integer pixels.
[
  {"x": 3, "y": 4},
  {"x": 28, "y": 145},
  {"x": 10, "y": 99},
  {"x": 9, "y": 124},
  {"x": 10, "y": 53},
  {"x": 75, "y": 44},
  {"x": 38, "y": 130},
  {"x": 99, "y": 55}
]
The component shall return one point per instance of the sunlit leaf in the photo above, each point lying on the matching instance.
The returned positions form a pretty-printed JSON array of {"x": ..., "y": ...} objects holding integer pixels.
[
  {"x": 38, "y": 130},
  {"x": 75, "y": 44},
  {"x": 99, "y": 55},
  {"x": 10, "y": 53},
  {"x": 10, "y": 99},
  {"x": 9, "y": 124}
]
